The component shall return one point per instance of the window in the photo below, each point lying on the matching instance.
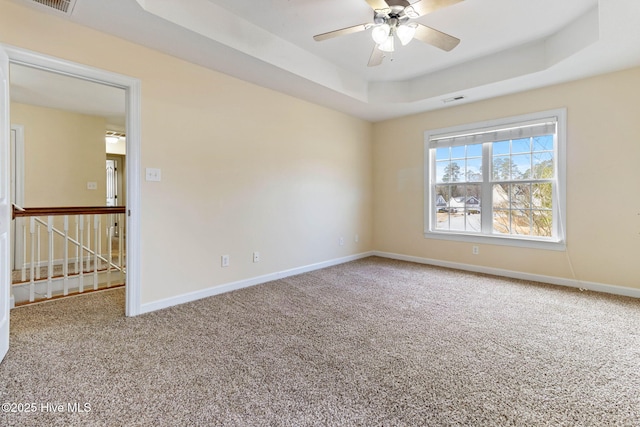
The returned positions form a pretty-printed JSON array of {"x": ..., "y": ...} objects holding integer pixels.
[{"x": 498, "y": 182}]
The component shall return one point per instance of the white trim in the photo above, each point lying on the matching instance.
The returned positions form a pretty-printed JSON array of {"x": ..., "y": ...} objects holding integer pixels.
[
  {"x": 5, "y": 206},
  {"x": 19, "y": 163},
  {"x": 133, "y": 215},
  {"x": 132, "y": 87},
  {"x": 72, "y": 69},
  {"x": 505, "y": 240},
  {"x": 17, "y": 174},
  {"x": 572, "y": 283},
  {"x": 44, "y": 301},
  {"x": 20, "y": 292},
  {"x": 228, "y": 287}
]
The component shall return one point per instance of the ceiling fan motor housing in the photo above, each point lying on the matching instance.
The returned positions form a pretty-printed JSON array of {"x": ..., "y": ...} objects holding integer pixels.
[{"x": 394, "y": 15}]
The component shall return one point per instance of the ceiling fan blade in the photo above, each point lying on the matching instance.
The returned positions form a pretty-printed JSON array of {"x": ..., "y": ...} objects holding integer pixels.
[
  {"x": 378, "y": 4},
  {"x": 422, "y": 7},
  {"x": 435, "y": 38},
  {"x": 376, "y": 57},
  {"x": 342, "y": 32}
]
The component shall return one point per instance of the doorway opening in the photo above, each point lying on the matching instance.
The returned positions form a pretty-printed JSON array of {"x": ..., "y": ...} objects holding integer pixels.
[
  {"x": 89, "y": 186},
  {"x": 115, "y": 185}
]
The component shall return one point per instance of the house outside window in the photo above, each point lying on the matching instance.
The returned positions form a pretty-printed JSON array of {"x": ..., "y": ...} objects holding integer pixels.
[{"x": 499, "y": 182}]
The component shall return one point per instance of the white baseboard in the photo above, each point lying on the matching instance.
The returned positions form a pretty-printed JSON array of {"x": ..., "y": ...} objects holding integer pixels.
[
  {"x": 232, "y": 286},
  {"x": 20, "y": 293},
  {"x": 592, "y": 286},
  {"x": 228, "y": 287}
]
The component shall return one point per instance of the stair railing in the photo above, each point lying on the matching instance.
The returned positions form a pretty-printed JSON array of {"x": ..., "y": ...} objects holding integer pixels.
[{"x": 83, "y": 252}]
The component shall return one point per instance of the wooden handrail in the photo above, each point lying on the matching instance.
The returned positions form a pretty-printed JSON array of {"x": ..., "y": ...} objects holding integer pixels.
[{"x": 73, "y": 210}]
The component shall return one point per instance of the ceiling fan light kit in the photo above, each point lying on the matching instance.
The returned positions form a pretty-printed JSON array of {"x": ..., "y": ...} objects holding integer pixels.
[
  {"x": 392, "y": 18},
  {"x": 387, "y": 45},
  {"x": 381, "y": 33},
  {"x": 405, "y": 33}
]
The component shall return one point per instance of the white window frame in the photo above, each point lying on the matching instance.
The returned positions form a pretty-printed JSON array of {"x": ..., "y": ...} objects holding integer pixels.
[{"x": 556, "y": 242}]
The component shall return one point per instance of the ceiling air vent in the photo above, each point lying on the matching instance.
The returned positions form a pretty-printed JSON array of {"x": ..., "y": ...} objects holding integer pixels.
[
  {"x": 454, "y": 99},
  {"x": 61, "y": 6}
]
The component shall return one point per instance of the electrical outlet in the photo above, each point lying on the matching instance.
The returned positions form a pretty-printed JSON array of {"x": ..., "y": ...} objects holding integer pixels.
[
  {"x": 256, "y": 257},
  {"x": 225, "y": 260},
  {"x": 356, "y": 239},
  {"x": 475, "y": 250},
  {"x": 341, "y": 241}
]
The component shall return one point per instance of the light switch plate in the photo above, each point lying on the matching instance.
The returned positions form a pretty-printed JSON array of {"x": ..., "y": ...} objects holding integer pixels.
[{"x": 153, "y": 174}]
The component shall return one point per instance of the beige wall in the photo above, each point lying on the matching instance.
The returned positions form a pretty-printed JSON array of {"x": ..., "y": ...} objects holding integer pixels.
[
  {"x": 54, "y": 140},
  {"x": 247, "y": 169},
  {"x": 603, "y": 210},
  {"x": 243, "y": 168},
  {"x": 63, "y": 151}
]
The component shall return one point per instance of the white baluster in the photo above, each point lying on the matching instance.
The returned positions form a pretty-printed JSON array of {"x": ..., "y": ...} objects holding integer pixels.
[
  {"x": 32, "y": 275},
  {"x": 50, "y": 258},
  {"x": 24, "y": 250},
  {"x": 96, "y": 231},
  {"x": 109, "y": 256},
  {"x": 80, "y": 240},
  {"x": 99, "y": 245},
  {"x": 38, "y": 253},
  {"x": 65, "y": 266},
  {"x": 120, "y": 246},
  {"x": 88, "y": 262}
]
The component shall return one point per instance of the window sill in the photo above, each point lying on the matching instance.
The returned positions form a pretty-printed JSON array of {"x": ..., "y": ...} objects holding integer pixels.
[{"x": 546, "y": 244}]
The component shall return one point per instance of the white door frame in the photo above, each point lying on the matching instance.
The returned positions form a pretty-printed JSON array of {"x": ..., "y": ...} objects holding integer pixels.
[
  {"x": 5, "y": 206},
  {"x": 133, "y": 94},
  {"x": 17, "y": 190}
]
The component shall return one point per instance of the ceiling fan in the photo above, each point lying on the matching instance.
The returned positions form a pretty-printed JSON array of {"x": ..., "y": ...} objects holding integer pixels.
[{"x": 393, "y": 18}]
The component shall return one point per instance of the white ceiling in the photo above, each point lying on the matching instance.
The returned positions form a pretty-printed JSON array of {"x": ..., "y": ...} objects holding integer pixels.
[{"x": 506, "y": 46}]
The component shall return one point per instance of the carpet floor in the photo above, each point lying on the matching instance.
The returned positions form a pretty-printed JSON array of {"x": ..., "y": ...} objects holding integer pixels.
[{"x": 374, "y": 342}]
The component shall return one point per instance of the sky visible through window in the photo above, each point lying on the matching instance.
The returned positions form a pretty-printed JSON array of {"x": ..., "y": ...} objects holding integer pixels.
[{"x": 512, "y": 159}]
